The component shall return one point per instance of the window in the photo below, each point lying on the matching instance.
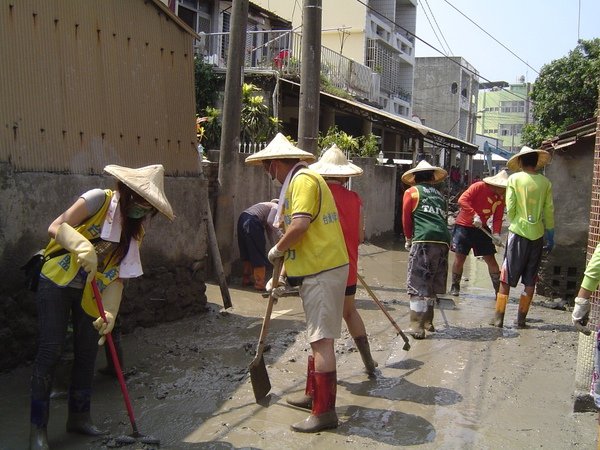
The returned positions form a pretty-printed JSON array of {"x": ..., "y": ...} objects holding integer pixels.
[
  {"x": 512, "y": 107},
  {"x": 454, "y": 88}
]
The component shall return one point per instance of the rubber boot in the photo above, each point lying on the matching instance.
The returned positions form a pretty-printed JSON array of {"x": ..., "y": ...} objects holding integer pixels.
[
  {"x": 417, "y": 324},
  {"x": 247, "y": 273},
  {"x": 79, "y": 419},
  {"x": 38, "y": 430},
  {"x": 259, "y": 278},
  {"x": 40, "y": 410},
  {"x": 455, "y": 286},
  {"x": 495, "y": 277},
  {"x": 305, "y": 400},
  {"x": 524, "y": 302},
  {"x": 362, "y": 344},
  {"x": 323, "y": 415},
  {"x": 428, "y": 318},
  {"x": 498, "y": 320},
  {"x": 109, "y": 369}
]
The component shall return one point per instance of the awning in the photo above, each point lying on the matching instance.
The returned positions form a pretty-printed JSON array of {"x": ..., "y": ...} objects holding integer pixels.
[{"x": 401, "y": 124}]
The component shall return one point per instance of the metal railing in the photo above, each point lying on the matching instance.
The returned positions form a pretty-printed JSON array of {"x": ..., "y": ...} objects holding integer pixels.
[{"x": 281, "y": 50}]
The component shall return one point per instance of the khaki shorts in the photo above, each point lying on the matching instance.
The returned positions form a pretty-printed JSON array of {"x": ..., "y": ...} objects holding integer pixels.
[{"x": 323, "y": 301}]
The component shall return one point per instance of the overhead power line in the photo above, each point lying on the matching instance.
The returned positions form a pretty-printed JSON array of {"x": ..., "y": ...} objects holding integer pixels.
[
  {"x": 467, "y": 69},
  {"x": 446, "y": 52},
  {"x": 438, "y": 26},
  {"x": 477, "y": 25}
]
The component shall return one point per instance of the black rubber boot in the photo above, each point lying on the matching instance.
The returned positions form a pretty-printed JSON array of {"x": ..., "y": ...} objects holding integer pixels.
[
  {"x": 40, "y": 409},
  {"x": 79, "y": 420},
  {"x": 455, "y": 287},
  {"x": 495, "y": 277},
  {"x": 362, "y": 344}
]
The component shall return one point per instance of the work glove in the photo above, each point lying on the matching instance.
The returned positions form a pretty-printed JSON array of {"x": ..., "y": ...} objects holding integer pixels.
[
  {"x": 581, "y": 311},
  {"x": 549, "y": 241},
  {"x": 73, "y": 241},
  {"x": 274, "y": 254},
  {"x": 477, "y": 223},
  {"x": 111, "y": 300},
  {"x": 282, "y": 282},
  {"x": 408, "y": 244},
  {"x": 497, "y": 240}
]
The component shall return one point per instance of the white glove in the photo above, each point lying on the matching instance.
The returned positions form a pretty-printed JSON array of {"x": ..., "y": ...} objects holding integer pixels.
[
  {"x": 477, "y": 223},
  {"x": 408, "y": 244},
  {"x": 581, "y": 310},
  {"x": 274, "y": 254},
  {"x": 282, "y": 282},
  {"x": 496, "y": 239},
  {"x": 279, "y": 291}
]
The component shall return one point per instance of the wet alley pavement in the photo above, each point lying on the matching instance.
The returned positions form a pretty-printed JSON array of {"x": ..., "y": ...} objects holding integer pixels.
[{"x": 467, "y": 386}]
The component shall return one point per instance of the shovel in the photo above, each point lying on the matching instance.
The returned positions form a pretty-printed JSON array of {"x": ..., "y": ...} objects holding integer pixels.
[
  {"x": 406, "y": 346},
  {"x": 488, "y": 234},
  {"x": 261, "y": 385},
  {"x": 135, "y": 436}
]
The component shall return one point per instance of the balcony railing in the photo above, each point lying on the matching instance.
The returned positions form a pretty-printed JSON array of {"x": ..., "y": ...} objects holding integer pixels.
[{"x": 281, "y": 51}]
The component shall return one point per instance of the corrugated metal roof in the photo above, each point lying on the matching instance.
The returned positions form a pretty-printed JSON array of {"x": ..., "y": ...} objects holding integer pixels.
[
  {"x": 429, "y": 134},
  {"x": 92, "y": 82}
]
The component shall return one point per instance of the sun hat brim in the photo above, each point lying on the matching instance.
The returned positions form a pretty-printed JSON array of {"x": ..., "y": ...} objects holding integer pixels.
[
  {"x": 499, "y": 180},
  {"x": 439, "y": 174},
  {"x": 279, "y": 148},
  {"x": 148, "y": 182},
  {"x": 514, "y": 165}
]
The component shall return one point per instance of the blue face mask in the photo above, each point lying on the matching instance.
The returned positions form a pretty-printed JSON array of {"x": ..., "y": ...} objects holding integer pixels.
[{"x": 136, "y": 211}]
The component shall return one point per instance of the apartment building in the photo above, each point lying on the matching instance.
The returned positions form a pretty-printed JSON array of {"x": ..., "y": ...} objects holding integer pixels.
[
  {"x": 503, "y": 110},
  {"x": 376, "y": 33}
]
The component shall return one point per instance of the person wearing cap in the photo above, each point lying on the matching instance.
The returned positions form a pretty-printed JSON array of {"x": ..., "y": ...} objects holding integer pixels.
[
  {"x": 315, "y": 257},
  {"x": 480, "y": 202},
  {"x": 530, "y": 211},
  {"x": 337, "y": 170},
  {"x": 424, "y": 219},
  {"x": 252, "y": 225},
  {"x": 95, "y": 240}
]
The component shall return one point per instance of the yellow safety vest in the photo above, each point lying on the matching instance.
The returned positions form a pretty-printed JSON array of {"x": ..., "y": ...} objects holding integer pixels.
[{"x": 62, "y": 269}]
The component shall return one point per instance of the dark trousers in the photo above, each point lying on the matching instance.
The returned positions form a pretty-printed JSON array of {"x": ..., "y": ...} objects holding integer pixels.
[
  {"x": 252, "y": 241},
  {"x": 55, "y": 305}
]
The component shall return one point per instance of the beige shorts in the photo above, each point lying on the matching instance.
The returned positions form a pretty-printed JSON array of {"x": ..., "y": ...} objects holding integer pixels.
[{"x": 323, "y": 301}]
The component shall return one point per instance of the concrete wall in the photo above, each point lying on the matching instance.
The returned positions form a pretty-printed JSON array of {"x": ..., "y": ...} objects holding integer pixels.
[
  {"x": 571, "y": 173},
  {"x": 377, "y": 188},
  {"x": 174, "y": 254}
]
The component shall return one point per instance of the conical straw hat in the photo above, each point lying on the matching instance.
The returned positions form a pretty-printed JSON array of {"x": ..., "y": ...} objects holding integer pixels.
[
  {"x": 514, "y": 165},
  {"x": 439, "y": 174},
  {"x": 279, "y": 148},
  {"x": 146, "y": 181},
  {"x": 498, "y": 180},
  {"x": 333, "y": 163}
]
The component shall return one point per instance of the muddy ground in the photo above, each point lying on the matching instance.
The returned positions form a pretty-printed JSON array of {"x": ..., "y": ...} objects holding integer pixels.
[{"x": 467, "y": 386}]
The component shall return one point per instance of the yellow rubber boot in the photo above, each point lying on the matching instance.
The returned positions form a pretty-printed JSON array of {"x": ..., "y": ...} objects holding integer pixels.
[
  {"x": 498, "y": 320},
  {"x": 524, "y": 303}
]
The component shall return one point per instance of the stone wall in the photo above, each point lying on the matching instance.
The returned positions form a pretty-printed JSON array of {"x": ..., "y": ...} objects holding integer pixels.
[{"x": 174, "y": 254}]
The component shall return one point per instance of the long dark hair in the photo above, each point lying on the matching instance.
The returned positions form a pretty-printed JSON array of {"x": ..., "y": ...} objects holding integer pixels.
[{"x": 131, "y": 228}]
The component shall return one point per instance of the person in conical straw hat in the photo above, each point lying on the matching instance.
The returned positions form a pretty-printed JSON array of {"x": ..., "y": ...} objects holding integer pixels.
[
  {"x": 337, "y": 170},
  {"x": 425, "y": 224},
  {"x": 314, "y": 255},
  {"x": 96, "y": 240},
  {"x": 482, "y": 201},
  {"x": 530, "y": 211}
]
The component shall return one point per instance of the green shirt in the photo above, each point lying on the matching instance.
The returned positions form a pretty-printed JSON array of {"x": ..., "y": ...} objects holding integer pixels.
[
  {"x": 529, "y": 204},
  {"x": 430, "y": 216}
]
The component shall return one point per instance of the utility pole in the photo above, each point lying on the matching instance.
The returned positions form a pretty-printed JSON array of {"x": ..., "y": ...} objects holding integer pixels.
[
  {"x": 310, "y": 76},
  {"x": 230, "y": 135}
]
